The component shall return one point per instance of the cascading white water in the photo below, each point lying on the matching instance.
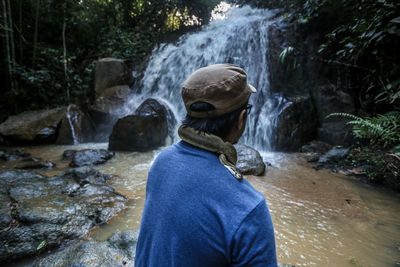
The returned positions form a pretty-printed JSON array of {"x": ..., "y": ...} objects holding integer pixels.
[{"x": 241, "y": 39}]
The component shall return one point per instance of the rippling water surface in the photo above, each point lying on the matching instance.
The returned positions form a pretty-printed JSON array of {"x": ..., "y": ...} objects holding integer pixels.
[{"x": 320, "y": 218}]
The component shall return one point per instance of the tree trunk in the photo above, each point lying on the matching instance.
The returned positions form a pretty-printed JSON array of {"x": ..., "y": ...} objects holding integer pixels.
[
  {"x": 66, "y": 78},
  {"x": 7, "y": 42},
  {"x": 21, "y": 47},
  {"x": 35, "y": 37},
  {"x": 11, "y": 34}
]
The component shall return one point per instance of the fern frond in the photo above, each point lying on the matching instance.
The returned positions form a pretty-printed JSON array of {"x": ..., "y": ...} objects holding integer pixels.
[{"x": 382, "y": 129}]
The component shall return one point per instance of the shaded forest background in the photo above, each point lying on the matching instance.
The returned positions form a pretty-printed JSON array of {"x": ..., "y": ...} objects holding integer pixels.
[{"x": 49, "y": 47}]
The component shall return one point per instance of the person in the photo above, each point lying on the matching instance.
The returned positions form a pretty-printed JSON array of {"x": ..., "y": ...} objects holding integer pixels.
[{"x": 199, "y": 211}]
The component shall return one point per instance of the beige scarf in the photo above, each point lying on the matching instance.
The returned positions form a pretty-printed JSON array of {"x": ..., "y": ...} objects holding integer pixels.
[{"x": 225, "y": 150}]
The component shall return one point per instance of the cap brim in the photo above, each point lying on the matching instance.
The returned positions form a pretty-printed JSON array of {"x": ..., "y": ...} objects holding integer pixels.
[{"x": 251, "y": 88}]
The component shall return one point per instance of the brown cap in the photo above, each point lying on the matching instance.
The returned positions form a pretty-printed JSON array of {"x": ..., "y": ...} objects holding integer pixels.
[{"x": 222, "y": 85}]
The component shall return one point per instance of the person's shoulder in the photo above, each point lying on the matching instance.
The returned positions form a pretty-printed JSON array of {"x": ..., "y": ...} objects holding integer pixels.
[{"x": 167, "y": 152}]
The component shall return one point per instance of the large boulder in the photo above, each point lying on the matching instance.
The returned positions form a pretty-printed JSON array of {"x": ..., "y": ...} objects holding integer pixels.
[
  {"x": 333, "y": 130},
  {"x": 333, "y": 155},
  {"x": 296, "y": 124},
  {"x": 249, "y": 160},
  {"x": 32, "y": 127},
  {"x": 38, "y": 211},
  {"x": 146, "y": 129},
  {"x": 314, "y": 150},
  {"x": 111, "y": 72},
  {"x": 107, "y": 109},
  {"x": 76, "y": 127},
  {"x": 118, "y": 250},
  {"x": 87, "y": 157},
  {"x": 315, "y": 147},
  {"x": 13, "y": 155}
]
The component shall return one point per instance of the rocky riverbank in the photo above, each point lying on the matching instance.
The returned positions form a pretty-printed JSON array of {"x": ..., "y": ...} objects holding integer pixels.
[
  {"x": 56, "y": 202},
  {"x": 40, "y": 212}
]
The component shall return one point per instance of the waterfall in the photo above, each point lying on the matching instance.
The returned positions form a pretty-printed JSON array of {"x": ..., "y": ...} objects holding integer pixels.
[{"x": 241, "y": 39}]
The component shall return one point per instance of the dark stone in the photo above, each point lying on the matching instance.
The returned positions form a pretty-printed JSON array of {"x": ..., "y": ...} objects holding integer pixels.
[
  {"x": 35, "y": 208},
  {"x": 88, "y": 157},
  {"x": 315, "y": 147},
  {"x": 111, "y": 72},
  {"x": 296, "y": 124},
  {"x": 335, "y": 133},
  {"x": 69, "y": 154},
  {"x": 87, "y": 175},
  {"x": 249, "y": 160},
  {"x": 333, "y": 130},
  {"x": 76, "y": 127},
  {"x": 13, "y": 155},
  {"x": 333, "y": 155},
  {"x": 304, "y": 73},
  {"x": 118, "y": 250},
  {"x": 32, "y": 127},
  {"x": 34, "y": 163},
  {"x": 107, "y": 109},
  {"x": 312, "y": 157},
  {"x": 298, "y": 73},
  {"x": 145, "y": 130}
]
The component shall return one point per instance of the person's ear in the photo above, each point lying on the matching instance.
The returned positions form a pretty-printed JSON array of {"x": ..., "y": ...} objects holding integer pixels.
[{"x": 242, "y": 119}]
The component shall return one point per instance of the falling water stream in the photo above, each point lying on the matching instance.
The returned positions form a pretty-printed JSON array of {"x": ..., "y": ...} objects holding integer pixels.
[
  {"x": 320, "y": 218},
  {"x": 241, "y": 38}
]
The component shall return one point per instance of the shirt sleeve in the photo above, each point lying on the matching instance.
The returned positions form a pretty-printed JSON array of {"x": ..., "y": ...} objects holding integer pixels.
[{"x": 253, "y": 243}]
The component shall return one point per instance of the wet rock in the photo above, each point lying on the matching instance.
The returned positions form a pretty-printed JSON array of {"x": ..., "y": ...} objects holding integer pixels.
[
  {"x": 107, "y": 109},
  {"x": 13, "y": 155},
  {"x": 333, "y": 130},
  {"x": 335, "y": 133},
  {"x": 312, "y": 157},
  {"x": 316, "y": 147},
  {"x": 87, "y": 157},
  {"x": 145, "y": 130},
  {"x": 87, "y": 175},
  {"x": 333, "y": 155},
  {"x": 32, "y": 127},
  {"x": 69, "y": 154},
  {"x": 118, "y": 250},
  {"x": 35, "y": 208},
  {"x": 152, "y": 106},
  {"x": 34, "y": 163},
  {"x": 5, "y": 209},
  {"x": 314, "y": 150},
  {"x": 249, "y": 160},
  {"x": 76, "y": 127},
  {"x": 111, "y": 72},
  {"x": 392, "y": 162},
  {"x": 296, "y": 124}
]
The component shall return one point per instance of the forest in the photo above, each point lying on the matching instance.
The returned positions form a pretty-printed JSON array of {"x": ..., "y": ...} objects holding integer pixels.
[{"x": 92, "y": 96}]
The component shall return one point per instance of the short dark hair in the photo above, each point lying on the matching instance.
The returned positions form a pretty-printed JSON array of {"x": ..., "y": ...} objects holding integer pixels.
[{"x": 219, "y": 126}]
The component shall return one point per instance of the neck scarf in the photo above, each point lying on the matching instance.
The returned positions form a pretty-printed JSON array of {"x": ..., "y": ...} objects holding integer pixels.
[{"x": 225, "y": 150}]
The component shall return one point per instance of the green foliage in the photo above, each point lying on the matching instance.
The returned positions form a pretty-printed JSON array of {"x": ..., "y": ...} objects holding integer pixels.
[
  {"x": 125, "y": 29},
  {"x": 383, "y": 130},
  {"x": 288, "y": 57},
  {"x": 378, "y": 166},
  {"x": 360, "y": 38},
  {"x": 41, "y": 245},
  {"x": 364, "y": 38},
  {"x": 285, "y": 53}
]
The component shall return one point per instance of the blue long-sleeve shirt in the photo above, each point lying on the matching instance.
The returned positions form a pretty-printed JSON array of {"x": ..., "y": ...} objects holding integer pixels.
[{"x": 197, "y": 213}]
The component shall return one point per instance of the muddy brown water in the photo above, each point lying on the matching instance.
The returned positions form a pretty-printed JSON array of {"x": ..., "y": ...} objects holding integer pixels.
[{"x": 320, "y": 218}]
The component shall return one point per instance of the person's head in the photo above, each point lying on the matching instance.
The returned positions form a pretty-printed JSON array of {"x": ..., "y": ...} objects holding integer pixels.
[{"x": 216, "y": 100}]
